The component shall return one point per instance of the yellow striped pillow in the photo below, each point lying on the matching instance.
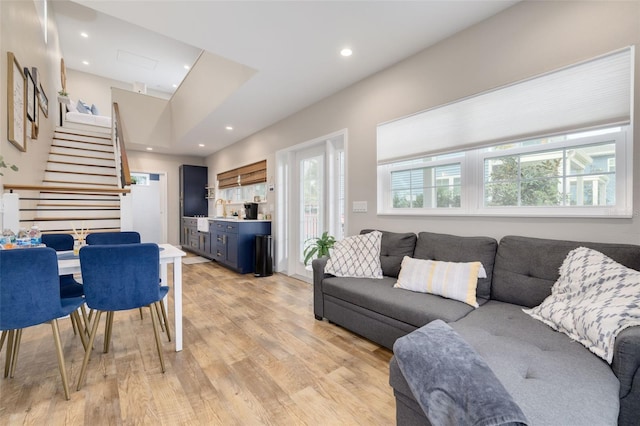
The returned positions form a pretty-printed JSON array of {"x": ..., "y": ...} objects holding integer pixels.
[{"x": 453, "y": 280}]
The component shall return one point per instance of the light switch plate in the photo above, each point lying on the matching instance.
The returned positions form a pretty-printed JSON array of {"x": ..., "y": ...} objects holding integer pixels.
[{"x": 359, "y": 207}]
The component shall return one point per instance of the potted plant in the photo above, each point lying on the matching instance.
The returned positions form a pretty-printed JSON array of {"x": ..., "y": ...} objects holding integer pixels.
[
  {"x": 63, "y": 97},
  {"x": 4, "y": 165},
  {"x": 318, "y": 247}
]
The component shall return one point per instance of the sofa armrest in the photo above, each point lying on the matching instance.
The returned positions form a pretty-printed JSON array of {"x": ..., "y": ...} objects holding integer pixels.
[
  {"x": 318, "y": 275},
  {"x": 626, "y": 367}
]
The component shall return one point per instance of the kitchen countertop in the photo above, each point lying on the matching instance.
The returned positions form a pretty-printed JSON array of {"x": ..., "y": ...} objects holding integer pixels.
[{"x": 228, "y": 219}]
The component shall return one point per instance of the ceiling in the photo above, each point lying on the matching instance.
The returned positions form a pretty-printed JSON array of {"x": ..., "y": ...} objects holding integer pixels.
[{"x": 294, "y": 46}]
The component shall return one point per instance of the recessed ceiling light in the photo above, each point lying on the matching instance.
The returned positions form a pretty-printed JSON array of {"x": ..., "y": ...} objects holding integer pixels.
[
  {"x": 229, "y": 128},
  {"x": 186, "y": 67},
  {"x": 201, "y": 145},
  {"x": 149, "y": 149},
  {"x": 346, "y": 52},
  {"x": 175, "y": 85},
  {"x": 85, "y": 62},
  {"x": 85, "y": 35}
]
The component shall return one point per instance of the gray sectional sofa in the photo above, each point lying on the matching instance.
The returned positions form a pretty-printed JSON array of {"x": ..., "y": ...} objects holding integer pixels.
[{"x": 552, "y": 378}]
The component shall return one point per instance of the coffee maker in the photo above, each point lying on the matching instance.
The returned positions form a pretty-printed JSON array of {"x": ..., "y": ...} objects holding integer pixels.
[{"x": 251, "y": 211}]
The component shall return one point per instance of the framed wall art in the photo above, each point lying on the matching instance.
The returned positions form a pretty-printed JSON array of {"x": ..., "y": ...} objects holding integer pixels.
[
  {"x": 16, "y": 106},
  {"x": 31, "y": 95},
  {"x": 43, "y": 101}
]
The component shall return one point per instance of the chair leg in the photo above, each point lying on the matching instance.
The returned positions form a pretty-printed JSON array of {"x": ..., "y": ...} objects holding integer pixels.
[
  {"x": 16, "y": 349},
  {"x": 107, "y": 332},
  {"x": 85, "y": 318},
  {"x": 7, "y": 362},
  {"x": 73, "y": 326},
  {"x": 140, "y": 309},
  {"x": 87, "y": 354},
  {"x": 154, "y": 321},
  {"x": 160, "y": 320},
  {"x": 165, "y": 319},
  {"x": 3, "y": 337},
  {"x": 63, "y": 370},
  {"x": 75, "y": 316}
]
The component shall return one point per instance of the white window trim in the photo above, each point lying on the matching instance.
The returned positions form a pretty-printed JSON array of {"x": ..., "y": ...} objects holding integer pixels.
[{"x": 472, "y": 181}]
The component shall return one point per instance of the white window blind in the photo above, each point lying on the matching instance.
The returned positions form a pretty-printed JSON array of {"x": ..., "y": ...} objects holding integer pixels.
[{"x": 592, "y": 93}]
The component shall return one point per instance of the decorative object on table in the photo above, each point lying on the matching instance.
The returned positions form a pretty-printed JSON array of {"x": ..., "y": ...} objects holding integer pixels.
[
  {"x": 16, "y": 107},
  {"x": 31, "y": 95},
  {"x": 318, "y": 247},
  {"x": 43, "y": 101},
  {"x": 79, "y": 238}
]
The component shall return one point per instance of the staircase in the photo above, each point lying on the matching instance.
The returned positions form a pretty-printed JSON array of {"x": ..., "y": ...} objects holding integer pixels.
[{"x": 80, "y": 188}]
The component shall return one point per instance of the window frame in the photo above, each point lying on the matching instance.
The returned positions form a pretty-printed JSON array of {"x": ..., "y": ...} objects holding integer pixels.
[{"x": 472, "y": 162}]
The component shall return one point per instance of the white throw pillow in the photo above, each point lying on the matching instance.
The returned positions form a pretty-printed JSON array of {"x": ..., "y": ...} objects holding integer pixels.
[
  {"x": 357, "y": 256},
  {"x": 453, "y": 280},
  {"x": 594, "y": 299}
]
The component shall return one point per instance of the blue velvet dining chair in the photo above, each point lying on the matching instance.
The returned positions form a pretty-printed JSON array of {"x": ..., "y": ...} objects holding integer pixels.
[
  {"x": 124, "y": 237},
  {"x": 117, "y": 278},
  {"x": 30, "y": 295},
  {"x": 69, "y": 287},
  {"x": 128, "y": 237}
]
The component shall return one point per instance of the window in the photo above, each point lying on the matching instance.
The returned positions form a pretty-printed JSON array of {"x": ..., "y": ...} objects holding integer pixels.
[
  {"x": 557, "y": 144},
  {"x": 576, "y": 174}
]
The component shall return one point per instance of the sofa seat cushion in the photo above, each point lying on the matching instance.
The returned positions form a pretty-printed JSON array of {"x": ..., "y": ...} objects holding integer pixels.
[
  {"x": 552, "y": 378},
  {"x": 409, "y": 307}
]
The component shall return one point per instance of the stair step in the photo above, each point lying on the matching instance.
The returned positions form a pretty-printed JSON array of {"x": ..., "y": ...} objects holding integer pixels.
[
  {"x": 73, "y": 184},
  {"x": 84, "y": 153},
  {"x": 67, "y": 224},
  {"x": 85, "y": 146},
  {"x": 80, "y": 160},
  {"x": 81, "y": 169},
  {"x": 88, "y": 204},
  {"x": 72, "y": 134},
  {"x": 92, "y": 214}
]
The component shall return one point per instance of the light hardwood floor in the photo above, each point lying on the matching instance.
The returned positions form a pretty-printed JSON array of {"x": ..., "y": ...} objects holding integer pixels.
[{"x": 253, "y": 354}]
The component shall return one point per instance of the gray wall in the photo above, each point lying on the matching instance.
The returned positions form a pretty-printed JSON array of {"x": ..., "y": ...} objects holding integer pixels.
[{"x": 525, "y": 40}]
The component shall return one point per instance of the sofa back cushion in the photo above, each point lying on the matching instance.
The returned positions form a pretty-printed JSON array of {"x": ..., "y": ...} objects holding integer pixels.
[
  {"x": 452, "y": 248},
  {"x": 393, "y": 248},
  {"x": 526, "y": 268}
]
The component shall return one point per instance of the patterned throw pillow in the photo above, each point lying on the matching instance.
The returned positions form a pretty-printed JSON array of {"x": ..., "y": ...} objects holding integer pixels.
[
  {"x": 594, "y": 299},
  {"x": 453, "y": 280},
  {"x": 357, "y": 256}
]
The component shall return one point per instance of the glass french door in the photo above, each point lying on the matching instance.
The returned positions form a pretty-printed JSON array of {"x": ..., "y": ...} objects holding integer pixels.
[{"x": 319, "y": 200}]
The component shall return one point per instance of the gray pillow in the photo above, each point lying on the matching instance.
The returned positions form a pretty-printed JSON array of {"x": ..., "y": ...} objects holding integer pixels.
[{"x": 394, "y": 247}]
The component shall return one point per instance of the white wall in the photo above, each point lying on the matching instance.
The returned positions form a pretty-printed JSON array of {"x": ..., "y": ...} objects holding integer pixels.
[
  {"x": 525, "y": 40},
  {"x": 145, "y": 120},
  {"x": 22, "y": 34},
  {"x": 93, "y": 89}
]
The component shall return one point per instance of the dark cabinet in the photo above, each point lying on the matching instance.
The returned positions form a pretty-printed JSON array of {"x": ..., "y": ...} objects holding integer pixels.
[
  {"x": 193, "y": 191},
  {"x": 233, "y": 243},
  {"x": 194, "y": 240}
]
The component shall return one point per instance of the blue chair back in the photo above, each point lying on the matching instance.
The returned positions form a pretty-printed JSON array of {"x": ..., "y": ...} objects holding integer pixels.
[
  {"x": 120, "y": 277},
  {"x": 29, "y": 287},
  {"x": 103, "y": 238},
  {"x": 58, "y": 242},
  {"x": 69, "y": 287}
]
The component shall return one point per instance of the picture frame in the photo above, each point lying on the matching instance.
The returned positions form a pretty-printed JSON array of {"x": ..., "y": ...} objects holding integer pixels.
[
  {"x": 16, "y": 106},
  {"x": 43, "y": 101},
  {"x": 31, "y": 95}
]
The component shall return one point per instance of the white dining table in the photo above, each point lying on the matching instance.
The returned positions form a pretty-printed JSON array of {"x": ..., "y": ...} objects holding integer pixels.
[{"x": 168, "y": 254}]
